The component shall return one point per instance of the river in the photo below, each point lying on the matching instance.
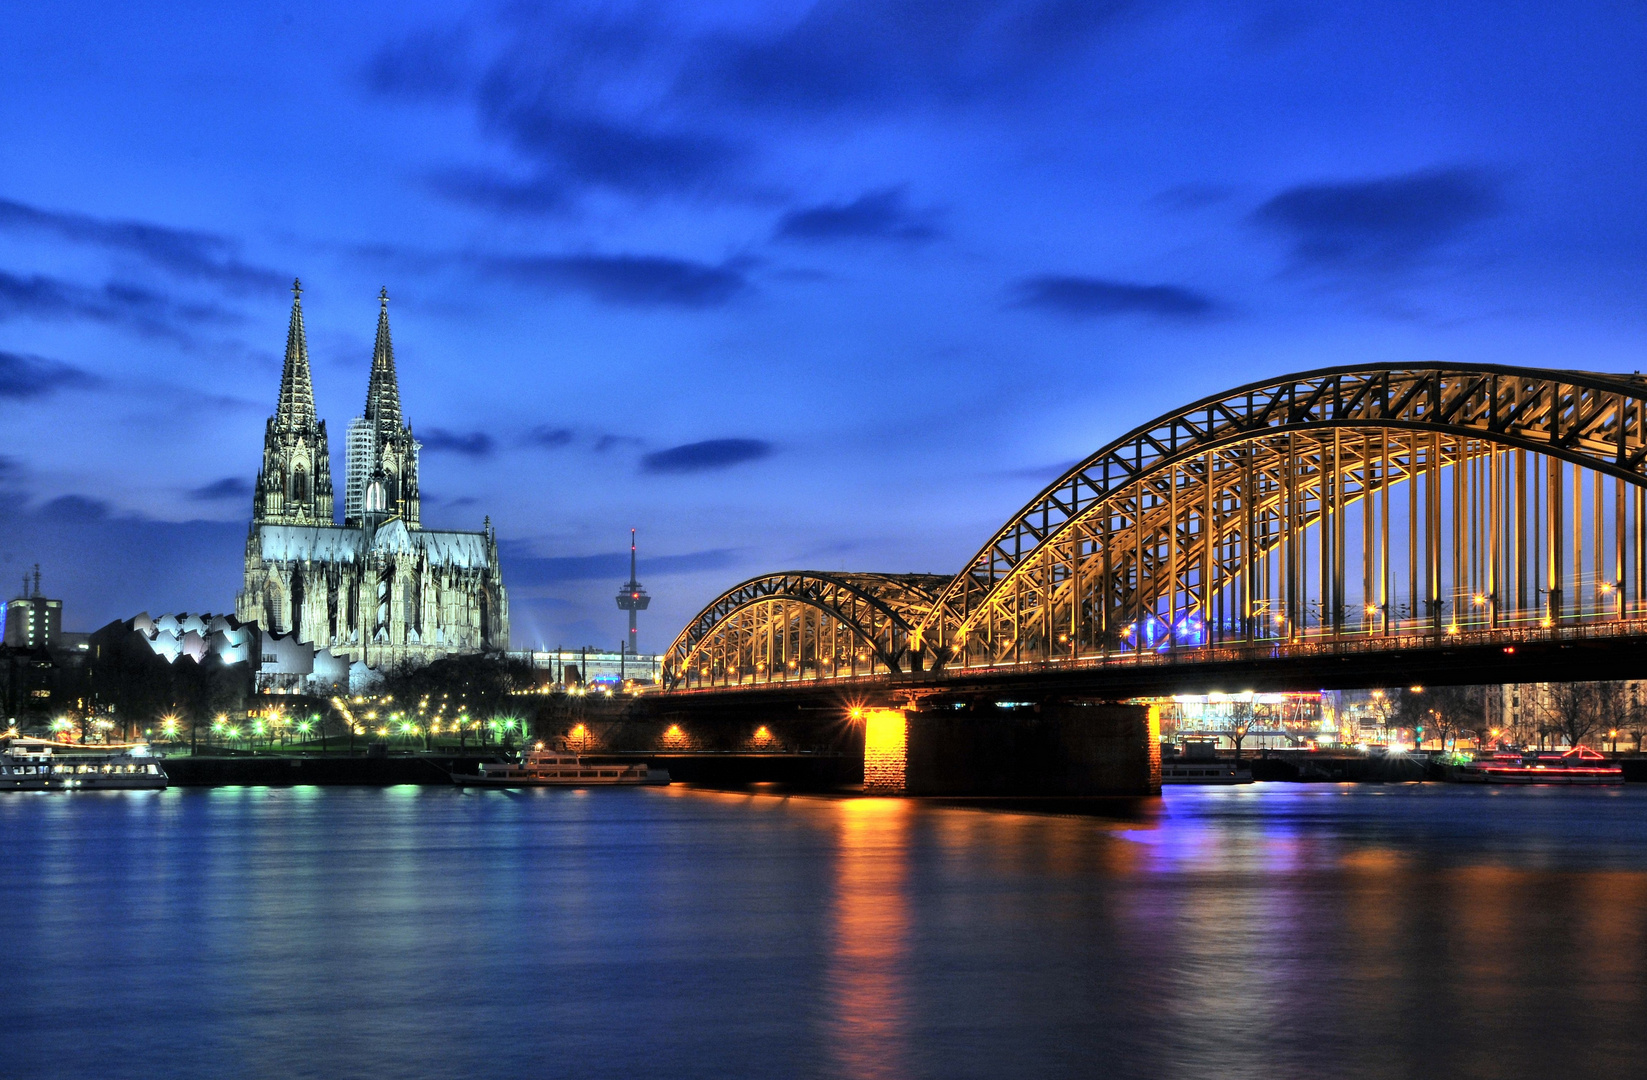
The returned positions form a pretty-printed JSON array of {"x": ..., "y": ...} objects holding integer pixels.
[{"x": 1267, "y": 931}]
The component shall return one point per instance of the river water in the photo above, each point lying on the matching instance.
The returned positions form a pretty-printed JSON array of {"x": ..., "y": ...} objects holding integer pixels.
[{"x": 1268, "y": 931}]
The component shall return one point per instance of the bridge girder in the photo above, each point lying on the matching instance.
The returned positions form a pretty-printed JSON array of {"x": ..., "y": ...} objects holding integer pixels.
[
  {"x": 1594, "y": 421},
  {"x": 1211, "y": 524},
  {"x": 802, "y": 624}
]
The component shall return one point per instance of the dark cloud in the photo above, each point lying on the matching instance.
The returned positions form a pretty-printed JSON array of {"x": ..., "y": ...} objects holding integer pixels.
[
  {"x": 493, "y": 190},
  {"x": 430, "y": 63},
  {"x": 230, "y": 487},
  {"x": 74, "y": 508},
  {"x": 24, "y": 376},
  {"x": 470, "y": 443},
  {"x": 875, "y": 215},
  {"x": 1380, "y": 225},
  {"x": 183, "y": 252},
  {"x": 705, "y": 456},
  {"x": 549, "y": 437},
  {"x": 613, "y": 442},
  {"x": 526, "y": 570},
  {"x": 554, "y": 100},
  {"x": 877, "y": 53},
  {"x": 129, "y": 306},
  {"x": 605, "y": 153},
  {"x": 1085, "y": 297},
  {"x": 628, "y": 280}
]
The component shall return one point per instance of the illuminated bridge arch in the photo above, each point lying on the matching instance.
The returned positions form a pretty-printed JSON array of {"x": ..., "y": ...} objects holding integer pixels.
[
  {"x": 1319, "y": 507},
  {"x": 801, "y": 625}
]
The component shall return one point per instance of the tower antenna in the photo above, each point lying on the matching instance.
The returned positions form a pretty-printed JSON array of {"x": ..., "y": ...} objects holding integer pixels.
[{"x": 632, "y": 598}]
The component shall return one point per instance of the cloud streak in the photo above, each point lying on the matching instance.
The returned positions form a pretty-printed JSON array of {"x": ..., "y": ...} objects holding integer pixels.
[
  {"x": 642, "y": 281},
  {"x": 706, "y": 456},
  {"x": 115, "y": 304},
  {"x": 1088, "y": 298},
  {"x": 875, "y": 215},
  {"x": 525, "y": 570},
  {"x": 23, "y": 376},
  {"x": 1381, "y": 225},
  {"x": 186, "y": 253},
  {"x": 475, "y": 444},
  {"x": 230, "y": 487}
]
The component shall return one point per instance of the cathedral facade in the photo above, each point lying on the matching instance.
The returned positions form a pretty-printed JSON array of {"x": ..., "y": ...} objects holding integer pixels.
[{"x": 378, "y": 588}]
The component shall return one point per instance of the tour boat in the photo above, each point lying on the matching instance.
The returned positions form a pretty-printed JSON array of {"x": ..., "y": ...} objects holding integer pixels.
[
  {"x": 1190, "y": 771},
  {"x": 553, "y": 768},
  {"x": 1580, "y": 765},
  {"x": 42, "y": 765},
  {"x": 1198, "y": 763}
]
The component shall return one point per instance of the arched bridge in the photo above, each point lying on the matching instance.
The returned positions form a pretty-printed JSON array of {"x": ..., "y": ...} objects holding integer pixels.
[{"x": 1348, "y": 520}]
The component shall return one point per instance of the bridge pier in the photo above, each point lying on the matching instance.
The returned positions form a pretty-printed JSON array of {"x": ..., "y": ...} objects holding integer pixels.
[{"x": 1046, "y": 749}]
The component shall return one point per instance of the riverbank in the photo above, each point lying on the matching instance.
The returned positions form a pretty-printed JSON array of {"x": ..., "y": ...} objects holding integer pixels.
[{"x": 801, "y": 771}]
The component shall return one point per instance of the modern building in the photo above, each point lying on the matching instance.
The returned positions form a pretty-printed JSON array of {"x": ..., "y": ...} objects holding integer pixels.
[
  {"x": 378, "y": 589},
  {"x": 32, "y": 621},
  {"x": 357, "y": 468},
  {"x": 587, "y": 666}
]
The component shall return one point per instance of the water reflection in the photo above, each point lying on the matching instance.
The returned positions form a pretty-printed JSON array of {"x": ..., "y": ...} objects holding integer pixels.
[
  {"x": 1275, "y": 932},
  {"x": 867, "y": 1025}
]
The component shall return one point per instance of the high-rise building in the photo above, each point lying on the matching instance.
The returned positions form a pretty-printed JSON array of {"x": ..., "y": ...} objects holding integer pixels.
[
  {"x": 357, "y": 468},
  {"x": 31, "y": 620},
  {"x": 379, "y": 588}
]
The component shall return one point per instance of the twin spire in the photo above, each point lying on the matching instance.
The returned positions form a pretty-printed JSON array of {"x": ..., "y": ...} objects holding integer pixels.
[
  {"x": 297, "y": 397},
  {"x": 383, "y": 389}
]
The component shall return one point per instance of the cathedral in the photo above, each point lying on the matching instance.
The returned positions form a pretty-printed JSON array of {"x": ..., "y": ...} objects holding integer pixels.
[{"x": 379, "y": 588}]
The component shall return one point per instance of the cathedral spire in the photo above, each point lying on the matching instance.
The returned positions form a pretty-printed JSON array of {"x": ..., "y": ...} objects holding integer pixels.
[
  {"x": 383, "y": 390},
  {"x": 297, "y": 397}
]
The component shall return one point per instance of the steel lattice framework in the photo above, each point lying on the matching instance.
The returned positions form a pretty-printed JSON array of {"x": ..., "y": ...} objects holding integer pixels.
[
  {"x": 803, "y": 624},
  {"x": 1323, "y": 507}
]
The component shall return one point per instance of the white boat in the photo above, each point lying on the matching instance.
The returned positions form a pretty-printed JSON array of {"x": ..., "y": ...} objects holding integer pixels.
[
  {"x": 43, "y": 765},
  {"x": 554, "y": 768}
]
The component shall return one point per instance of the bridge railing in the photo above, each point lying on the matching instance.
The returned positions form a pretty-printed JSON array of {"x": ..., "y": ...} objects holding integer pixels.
[{"x": 1190, "y": 656}]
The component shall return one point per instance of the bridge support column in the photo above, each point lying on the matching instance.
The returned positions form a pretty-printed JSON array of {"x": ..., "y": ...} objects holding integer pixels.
[{"x": 1050, "y": 750}]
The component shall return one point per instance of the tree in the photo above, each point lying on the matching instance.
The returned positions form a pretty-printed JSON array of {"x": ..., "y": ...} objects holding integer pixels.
[
  {"x": 1576, "y": 710},
  {"x": 1634, "y": 719},
  {"x": 1241, "y": 713}
]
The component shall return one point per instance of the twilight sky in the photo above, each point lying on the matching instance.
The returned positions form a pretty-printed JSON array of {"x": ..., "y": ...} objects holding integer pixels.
[{"x": 830, "y": 285}]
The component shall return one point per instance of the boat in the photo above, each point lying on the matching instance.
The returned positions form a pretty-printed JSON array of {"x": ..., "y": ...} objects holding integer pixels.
[
  {"x": 1580, "y": 765},
  {"x": 1199, "y": 763},
  {"x": 556, "y": 768},
  {"x": 44, "y": 765}
]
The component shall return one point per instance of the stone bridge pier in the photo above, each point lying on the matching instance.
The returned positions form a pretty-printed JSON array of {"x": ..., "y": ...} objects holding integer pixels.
[{"x": 1045, "y": 749}]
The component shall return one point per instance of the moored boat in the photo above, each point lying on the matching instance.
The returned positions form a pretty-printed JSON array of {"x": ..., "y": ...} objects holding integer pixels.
[
  {"x": 43, "y": 765},
  {"x": 1578, "y": 766},
  {"x": 1197, "y": 762},
  {"x": 553, "y": 768},
  {"x": 1205, "y": 772}
]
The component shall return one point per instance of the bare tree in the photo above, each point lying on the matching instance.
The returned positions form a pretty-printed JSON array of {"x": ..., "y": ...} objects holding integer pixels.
[
  {"x": 1634, "y": 719},
  {"x": 1241, "y": 713},
  {"x": 1576, "y": 710}
]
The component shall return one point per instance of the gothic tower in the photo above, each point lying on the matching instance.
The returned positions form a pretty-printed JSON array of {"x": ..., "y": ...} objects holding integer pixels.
[
  {"x": 391, "y": 482},
  {"x": 294, "y": 486}
]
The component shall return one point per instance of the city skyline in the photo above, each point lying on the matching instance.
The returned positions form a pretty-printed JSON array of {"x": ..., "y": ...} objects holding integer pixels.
[{"x": 835, "y": 286}]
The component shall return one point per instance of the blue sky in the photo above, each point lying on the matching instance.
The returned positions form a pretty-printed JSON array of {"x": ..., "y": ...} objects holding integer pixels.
[{"x": 783, "y": 285}]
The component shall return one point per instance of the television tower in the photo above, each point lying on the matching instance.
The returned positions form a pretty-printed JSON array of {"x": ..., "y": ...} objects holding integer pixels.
[{"x": 632, "y": 597}]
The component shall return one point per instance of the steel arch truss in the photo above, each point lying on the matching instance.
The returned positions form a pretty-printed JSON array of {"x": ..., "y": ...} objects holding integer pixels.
[
  {"x": 802, "y": 625},
  {"x": 1337, "y": 502}
]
